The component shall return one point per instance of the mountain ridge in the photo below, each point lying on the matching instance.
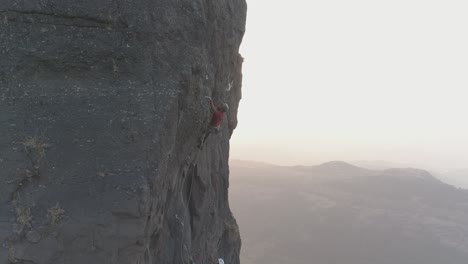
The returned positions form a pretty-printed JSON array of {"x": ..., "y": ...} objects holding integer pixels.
[
  {"x": 327, "y": 216},
  {"x": 342, "y": 166}
]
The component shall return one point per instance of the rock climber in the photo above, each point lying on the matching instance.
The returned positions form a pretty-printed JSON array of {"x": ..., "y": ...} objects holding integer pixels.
[{"x": 216, "y": 119}]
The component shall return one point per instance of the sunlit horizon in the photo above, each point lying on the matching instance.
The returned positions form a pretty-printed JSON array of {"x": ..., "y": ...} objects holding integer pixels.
[{"x": 353, "y": 81}]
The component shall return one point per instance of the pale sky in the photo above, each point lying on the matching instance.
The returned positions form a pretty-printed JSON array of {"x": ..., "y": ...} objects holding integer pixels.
[{"x": 355, "y": 80}]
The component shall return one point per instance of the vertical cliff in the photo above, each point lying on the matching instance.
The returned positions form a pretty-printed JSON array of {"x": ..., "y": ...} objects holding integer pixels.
[{"x": 101, "y": 107}]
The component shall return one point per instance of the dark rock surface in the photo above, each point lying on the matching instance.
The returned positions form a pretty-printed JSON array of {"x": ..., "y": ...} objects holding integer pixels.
[{"x": 101, "y": 107}]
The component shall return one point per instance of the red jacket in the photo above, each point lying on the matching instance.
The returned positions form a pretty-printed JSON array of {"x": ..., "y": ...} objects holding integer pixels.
[{"x": 217, "y": 118}]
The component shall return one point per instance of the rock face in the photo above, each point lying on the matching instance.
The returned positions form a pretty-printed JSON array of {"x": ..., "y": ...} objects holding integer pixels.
[{"x": 101, "y": 108}]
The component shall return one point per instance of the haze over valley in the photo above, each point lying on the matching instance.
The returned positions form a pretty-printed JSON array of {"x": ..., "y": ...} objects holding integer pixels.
[{"x": 338, "y": 213}]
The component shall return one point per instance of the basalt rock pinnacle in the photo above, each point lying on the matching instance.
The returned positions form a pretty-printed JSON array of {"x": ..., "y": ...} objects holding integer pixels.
[{"x": 102, "y": 104}]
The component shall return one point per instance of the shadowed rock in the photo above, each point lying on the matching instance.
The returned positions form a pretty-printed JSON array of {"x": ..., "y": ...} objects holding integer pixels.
[{"x": 101, "y": 108}]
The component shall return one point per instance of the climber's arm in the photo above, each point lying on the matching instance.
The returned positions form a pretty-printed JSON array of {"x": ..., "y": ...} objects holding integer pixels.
[{"x": 212, "y": 105}]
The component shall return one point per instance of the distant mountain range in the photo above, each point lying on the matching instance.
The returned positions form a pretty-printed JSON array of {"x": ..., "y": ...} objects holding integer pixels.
[
  {"x": 455, "y": 177},
  {"x": 338, "y": 213}
]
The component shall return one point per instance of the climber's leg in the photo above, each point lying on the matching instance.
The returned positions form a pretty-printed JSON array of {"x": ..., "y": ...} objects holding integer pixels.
[{"x": 210, "y": 130}]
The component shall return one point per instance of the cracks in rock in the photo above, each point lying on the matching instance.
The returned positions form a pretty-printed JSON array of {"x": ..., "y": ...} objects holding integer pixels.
[
  {"x": 75, "y": 21},
  {"x": 192, "y": 174},
  {"x": 24, "y": 261},
  {"x": 35, "y": 149},
  {"x": 95, "y": 20}
]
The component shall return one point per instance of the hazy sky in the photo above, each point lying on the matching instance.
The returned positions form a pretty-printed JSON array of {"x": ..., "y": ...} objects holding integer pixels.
[{"x": 355, "y": 80}]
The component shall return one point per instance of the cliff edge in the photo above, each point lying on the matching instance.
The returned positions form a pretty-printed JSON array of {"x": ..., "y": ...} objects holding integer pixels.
[{"x": 101, "y": 108}]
